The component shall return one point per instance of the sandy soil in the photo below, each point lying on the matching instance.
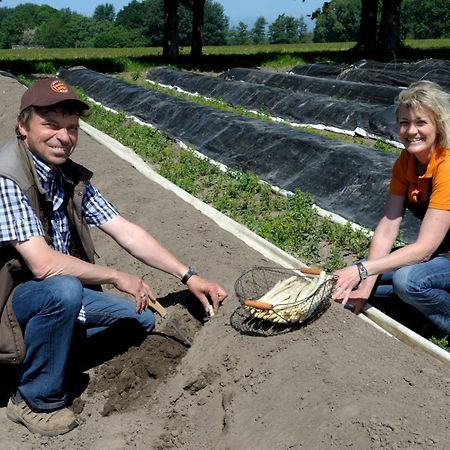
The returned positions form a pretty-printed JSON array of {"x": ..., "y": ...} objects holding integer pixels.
[{"x": 336, "y": 383}]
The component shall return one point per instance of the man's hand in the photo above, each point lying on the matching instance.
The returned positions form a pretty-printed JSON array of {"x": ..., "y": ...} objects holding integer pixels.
[
  {"x": 204, "y": 289},
  {"x": 136, "y": 287}
]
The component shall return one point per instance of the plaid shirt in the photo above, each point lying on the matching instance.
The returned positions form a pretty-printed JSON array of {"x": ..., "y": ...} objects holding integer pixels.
[
  {"x": 18, "y": 221},
  {"x": 17, "y": 218}
]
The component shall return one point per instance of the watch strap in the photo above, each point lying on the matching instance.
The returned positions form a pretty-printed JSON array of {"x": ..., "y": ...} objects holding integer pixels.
[
  {"x": 191, "y": 271},
  {"x": 363, "y": 274}
]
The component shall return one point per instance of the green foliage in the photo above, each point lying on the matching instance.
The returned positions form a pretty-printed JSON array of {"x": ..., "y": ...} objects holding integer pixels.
[
  {"x": 147, "y": 18},
  {"x": 258, "y": 32},
  {"x": 287, "y": 30},
  {"x": 338, "y": 21},
  {"x": 133, "y": 15},
  {"x": 239, "y": 35},
  {"x": 118, "y": 37},
  {"x": 64, "y": 30},
  {"x": 140, "y": 23},
  {"x": 17, "y": 24},
  {"x": 104, "y": 12},
  {"x": 425, "y": 19},
  {"x": 385, "y": 147},
  {"x": 440, "y": 342},
  {"x": 46, "y": 67},
  {"x": 215, "y": 25}
]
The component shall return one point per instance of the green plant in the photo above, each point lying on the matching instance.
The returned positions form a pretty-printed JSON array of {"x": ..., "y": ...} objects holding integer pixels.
[
  {"x": 440, "y": 342},
  {"x": 45, "y": 67},
  {"x": 385, "y": 147}
]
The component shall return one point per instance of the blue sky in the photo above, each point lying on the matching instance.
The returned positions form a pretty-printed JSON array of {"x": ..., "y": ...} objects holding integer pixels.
[{"x": 237, "y": 10}]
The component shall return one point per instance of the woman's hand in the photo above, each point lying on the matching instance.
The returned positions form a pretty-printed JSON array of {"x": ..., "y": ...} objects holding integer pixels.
[{"x": 347, "y": 280}]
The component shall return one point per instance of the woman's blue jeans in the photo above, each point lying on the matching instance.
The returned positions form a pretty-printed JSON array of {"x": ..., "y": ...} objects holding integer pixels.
[
  {"x": 425, "y": 286},
  {"x": 47, "y": 311}
]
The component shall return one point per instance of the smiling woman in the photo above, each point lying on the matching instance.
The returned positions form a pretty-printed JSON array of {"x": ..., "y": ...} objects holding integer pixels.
[{"x": 419, "y": 273}]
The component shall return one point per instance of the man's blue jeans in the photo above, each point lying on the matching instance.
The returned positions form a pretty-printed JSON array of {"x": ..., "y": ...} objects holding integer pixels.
[
  {"x": 47, "y": 311},
  {"x": 425, "y": 286}
]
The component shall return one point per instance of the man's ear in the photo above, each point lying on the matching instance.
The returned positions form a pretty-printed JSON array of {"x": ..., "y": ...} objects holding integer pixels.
[{"x": 22, "y": 128}]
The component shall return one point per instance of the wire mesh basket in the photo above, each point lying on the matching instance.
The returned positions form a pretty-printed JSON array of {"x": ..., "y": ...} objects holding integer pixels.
[{"x": 276, "y": 299}]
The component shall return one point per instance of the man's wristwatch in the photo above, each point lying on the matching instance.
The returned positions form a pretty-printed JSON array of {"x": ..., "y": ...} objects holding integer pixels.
[
  {"x": 191, "y": 271},
  {"x": 363, "y": 274}
]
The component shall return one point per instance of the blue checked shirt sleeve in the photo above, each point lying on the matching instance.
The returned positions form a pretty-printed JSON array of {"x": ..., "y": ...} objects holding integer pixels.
[
  {"x": 97, "y": 210},
  {"x": 17, "y": 218}
]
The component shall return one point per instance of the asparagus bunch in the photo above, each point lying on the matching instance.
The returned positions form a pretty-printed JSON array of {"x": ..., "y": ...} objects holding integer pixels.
[{"x": 291, "y": 300}]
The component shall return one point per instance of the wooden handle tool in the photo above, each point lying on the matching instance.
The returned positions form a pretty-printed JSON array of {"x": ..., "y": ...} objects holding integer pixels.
[{"x": 156, "y": 306}]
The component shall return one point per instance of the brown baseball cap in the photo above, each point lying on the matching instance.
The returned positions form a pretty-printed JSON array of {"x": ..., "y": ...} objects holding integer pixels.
[{"x": 49, "y": 92}]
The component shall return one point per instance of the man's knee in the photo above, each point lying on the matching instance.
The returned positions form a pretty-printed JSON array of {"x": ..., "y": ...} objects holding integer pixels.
[
  {"x": 147, "y": 321},
  {"x": 66, "y": 292}
]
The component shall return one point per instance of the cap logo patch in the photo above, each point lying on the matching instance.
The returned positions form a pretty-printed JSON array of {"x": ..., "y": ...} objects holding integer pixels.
[{"x": 59, "y": 86}]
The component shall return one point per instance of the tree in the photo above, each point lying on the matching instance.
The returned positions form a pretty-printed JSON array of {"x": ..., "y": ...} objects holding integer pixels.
[
  {"x": 67, "y": 30},
  {"x": 258, "y": 32},
  {"x": 170, "y": 47},
  {"x": 198, "y": 17},
  {"x": 285, "y": 30},
  {"x": 427, "y": 19},
  {"x": 367, "y": 34},
  {"x": 338, "y": 21},
  {"x": 302, "y": 29},
  {"x": 184, "y": 23},
  {"x": 146, "y": 17},
  {"x": 240, "y": 34},
  {"x": 215, "y": 25},
  {"x": 375, "y": 37},
  {"x": 386, "y": 40},
  {"x": 105, "y": 12},
  {"x": 118, "y": 37},
  {"x": 19, "y": 24}
]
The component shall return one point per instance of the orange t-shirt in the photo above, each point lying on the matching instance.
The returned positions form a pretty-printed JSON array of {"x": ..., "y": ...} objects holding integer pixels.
[{"x": 406, "y": 181}]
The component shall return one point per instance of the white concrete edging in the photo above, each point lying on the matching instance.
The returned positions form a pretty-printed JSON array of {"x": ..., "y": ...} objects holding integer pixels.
[{"x": 370, "y": 314}]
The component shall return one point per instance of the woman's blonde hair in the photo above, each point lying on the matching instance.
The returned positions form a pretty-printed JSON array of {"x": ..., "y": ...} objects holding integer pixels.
[{"x": 429, "y": 95}]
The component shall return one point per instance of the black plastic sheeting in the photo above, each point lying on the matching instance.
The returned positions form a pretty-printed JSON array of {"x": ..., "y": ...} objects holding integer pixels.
[
  {"x": 390, "y": 74},
  {"x": 299, "y": 107},
  {"x": 346, "y": 179},
  {"x": 344, "y": 90}
]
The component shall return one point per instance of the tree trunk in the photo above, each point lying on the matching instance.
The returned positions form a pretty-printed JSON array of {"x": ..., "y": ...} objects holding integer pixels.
[
  {"x": 170, "y": 46},
  {"x": 367, "y": 35},
  {"x": 388, "y": 41},
  {"x": 198, "y": 12}
]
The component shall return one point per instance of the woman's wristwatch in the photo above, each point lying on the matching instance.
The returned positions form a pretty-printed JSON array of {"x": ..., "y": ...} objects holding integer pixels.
[
  {"x": 191, "y": 271},
  {"x": 363, "y": 274}
]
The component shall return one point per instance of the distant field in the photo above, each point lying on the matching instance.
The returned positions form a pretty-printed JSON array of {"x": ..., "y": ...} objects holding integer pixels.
[
  {"x": 26, "y": 61},
  {"x": 34, "y": 54}
]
